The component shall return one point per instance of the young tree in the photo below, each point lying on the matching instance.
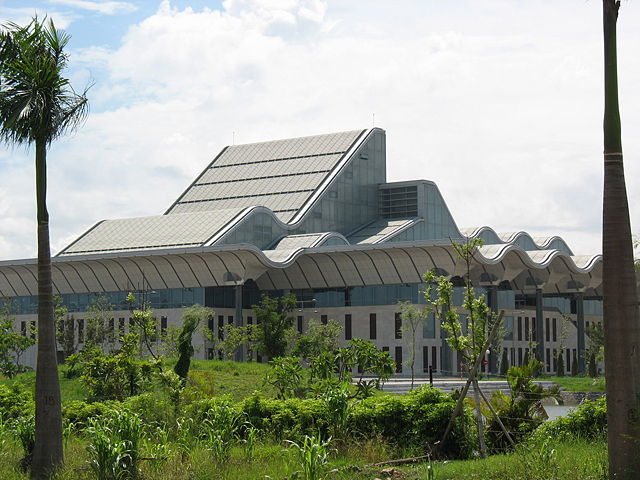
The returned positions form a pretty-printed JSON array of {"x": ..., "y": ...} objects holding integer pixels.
[
  {"x": 473, "y": 341},
  {"x": 12, "y": 345},
  {"x": 318, "y": 338},
  {"x": 595, "y": 351},
  {"x": 38, "y": 105},
  {"x": 412, "y": 317},
  {"x": 191, "y": 318},
  {"x": 504, "y": 363},
  {"x": 274, "y": 324},
  {"x": 98, "y": 318}
]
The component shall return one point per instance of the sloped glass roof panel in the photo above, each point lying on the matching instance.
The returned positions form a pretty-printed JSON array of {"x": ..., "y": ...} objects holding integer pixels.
[
  {"x": 280, "y": 175},
  {"x": 142, "y": 233}
]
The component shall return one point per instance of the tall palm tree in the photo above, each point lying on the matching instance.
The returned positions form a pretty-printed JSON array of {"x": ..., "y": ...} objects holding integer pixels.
[
  {"x": 621, "y": 314},
  {"x": 37, "y": 105}
]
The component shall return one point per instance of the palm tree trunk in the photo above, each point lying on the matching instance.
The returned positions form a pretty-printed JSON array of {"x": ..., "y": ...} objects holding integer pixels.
[
  {"x": 48, "y": 453},
  {"x": 621, "y": 314}
]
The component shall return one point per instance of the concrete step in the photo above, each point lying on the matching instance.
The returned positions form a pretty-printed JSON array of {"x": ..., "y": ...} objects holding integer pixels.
[{"x": 402, "y": 385}]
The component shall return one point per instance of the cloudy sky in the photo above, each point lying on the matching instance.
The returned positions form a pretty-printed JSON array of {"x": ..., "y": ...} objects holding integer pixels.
[{"x": 499, "y": 102}]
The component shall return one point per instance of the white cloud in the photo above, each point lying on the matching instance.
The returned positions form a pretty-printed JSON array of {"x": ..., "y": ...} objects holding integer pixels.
[
  {"x": 106, "y": 8},
  {"x": 499, "y": 104}
]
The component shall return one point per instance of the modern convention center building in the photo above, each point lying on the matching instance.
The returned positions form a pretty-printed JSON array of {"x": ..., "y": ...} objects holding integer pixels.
[{"x": 315, "y": 216}]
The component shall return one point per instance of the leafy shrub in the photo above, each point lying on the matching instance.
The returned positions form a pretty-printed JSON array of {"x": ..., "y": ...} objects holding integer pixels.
[
  {"x": 15, "y": 402},
  {"x": 416, "y": 421},
  {"x": 80, "y": 413},
  {"x": 589, "y": 420}
]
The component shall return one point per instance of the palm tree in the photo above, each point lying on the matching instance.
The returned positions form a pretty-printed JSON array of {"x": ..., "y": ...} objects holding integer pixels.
[
  {"x": 621, "y": 316},
  {"x": 37, "y": 105}
]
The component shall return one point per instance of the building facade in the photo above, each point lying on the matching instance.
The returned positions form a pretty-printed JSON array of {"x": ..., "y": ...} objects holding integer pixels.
[{"x": 315, "y": 216}]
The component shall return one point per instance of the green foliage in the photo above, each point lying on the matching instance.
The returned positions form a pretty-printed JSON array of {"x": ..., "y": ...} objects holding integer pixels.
[
  {"x": 588, "y": 420},
  {"x": 372, "y": 361},
  {"x": 24, "y": 429},
  {"x": 412, "y": 317},
  {"x": 80, "y": 413},
  {"x": 560, "y": 365},
  {"x": 234, "y": 338},
  {"x": 97, "y": 318},
  {"x": 504, "y": 363},
  {"x": 520, "y": 411},
  {"x": 338, "y": 408},
  {"x": 313, "y": 454},
  {"x": 413, "y": 421},
  {"x": 221, "y": 429},
  {"x": 274, "y": 325},
  {"x": 287, "y": 376},
  {"x": 117, "y": 375},
  {"x": 191, "y": 318},
  {"x": 114, "y": 445},
  {"x": 12, "y": 345},
  {"x": 595, "y": 349},
  {"x": 15, "y": 402},
  {"x": 319, "y": 338}
]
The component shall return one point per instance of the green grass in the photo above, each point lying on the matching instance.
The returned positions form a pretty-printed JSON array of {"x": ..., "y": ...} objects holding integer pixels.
[
  {"x": 236, "y": 379},
  {"x": 70, "y": 388},
  {"x": 206, "y": 377},
  {"x": 579, "y": 384},
  {"x": 579, "y": 459}
]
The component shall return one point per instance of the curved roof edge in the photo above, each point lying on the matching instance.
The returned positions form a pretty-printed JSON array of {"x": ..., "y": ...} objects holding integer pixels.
[{"x": 541, "y": 243}]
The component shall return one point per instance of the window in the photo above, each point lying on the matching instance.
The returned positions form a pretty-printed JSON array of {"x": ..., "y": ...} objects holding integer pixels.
[
  {"x": 33, "y": 329},
  {"x": 519, "y": 356},
  {"x": 425, "y": 359},
  {"x": 567, "y": 359},
  {"x": 300, "y": 318},
  {"x": 548, "y": 362},
  {"x": 434, "y": 358},
  {"x": 23, "y": 328},
  {"x": 555, "y": 360},
  {"x": 163, "y": 326},
  {"x": 220, "y": 327},
  {"x": 554, "y": 329},
  {"x": 80, "y": 330},
  {"x": 230, "y": 320},
  {"x": 324, "y": 319},
  {"x": 249, "y": 320},
  {"x": 347, "y": 326},
  {"x": 546, "y": 328},
  {"x": 112, "y": 325},
  {"x": 398, "y": 359},
  {"x": 372, "y": 326},
  {"x": 121, "y": 325},
  {"x": 398, "y": 326},
  {"x": 210, "y": 324},
  {"x": 429, "y": 326},
  {"x": 520, "y": 328},
  {"x": 526, "y": 328}
]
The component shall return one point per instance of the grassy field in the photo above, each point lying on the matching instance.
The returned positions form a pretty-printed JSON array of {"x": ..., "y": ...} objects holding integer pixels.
[
  {"x": 208, "y": 377},
  {"x": 576, "y": 459},
  {"x": 579, "y": 384}
]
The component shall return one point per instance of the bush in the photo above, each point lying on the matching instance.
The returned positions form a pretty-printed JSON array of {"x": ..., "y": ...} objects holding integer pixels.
[
  {"x": 15, "y": 402},
  {"x": 589, "y": 421},
  {"x": 415, "y": 421},
  {"x": 80, "y": 413}
]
